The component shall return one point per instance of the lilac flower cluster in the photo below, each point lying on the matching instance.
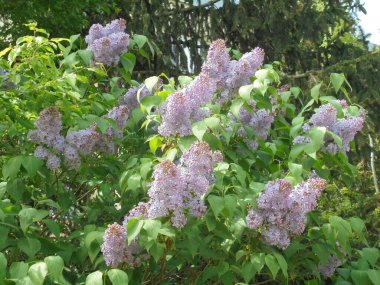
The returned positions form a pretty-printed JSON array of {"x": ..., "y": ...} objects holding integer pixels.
[
  {"x": 179, "y": 189},
  {"x": 109, "y": 42},
  {"x": 219, "y": 74},
  {"x": 133, "y": 95},
  {"x": 346, "y": 128},
  {"x": 83, "y": 142},
  {"x": 328, "y": 269},
  {"x": 48, "y": 130},
  {"x": 281, "y": 209},
  {"x": 115, "y": 248},
  {"x": 260, "y": 120},
  {"x": 175, "y": 191}
]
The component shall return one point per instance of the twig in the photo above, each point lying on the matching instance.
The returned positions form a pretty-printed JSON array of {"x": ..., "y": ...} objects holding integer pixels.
[
  {"x": 57, "y": 177},
  {"x": 373, "y": 164}
]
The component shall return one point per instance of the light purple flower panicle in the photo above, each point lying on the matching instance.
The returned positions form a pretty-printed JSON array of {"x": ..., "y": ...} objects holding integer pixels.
[
  {"x": 109, "y": 42},
  {"x": 281, "y": 209}
]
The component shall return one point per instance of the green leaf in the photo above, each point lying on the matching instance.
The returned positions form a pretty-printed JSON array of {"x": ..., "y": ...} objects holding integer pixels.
[
  {"x": 184, "y": 80},
  {"x": 199, "y": 129},
  {"x": 360, "y": 277},
  {"x": 374, "y": 276},
  {"x": 3, "y": 266},
  {"x": 18, "y": 270},
  {"x": 37, "y": 273},
  {"x": 128, "y": 60},
  {"x": 16, "y": 188},
  {"x": 157, "y": 250},
  {"x": 92, "y": 242},
  {"x": 12, "y": 167},
  {"x": 31, "y": 164},
  {"x": 171, "y": 154},
  {"x": 86, "y": 56},
  {"x": 283, "y": 264},
  {"x": 26, "y": 218},
  {"x": 95, "y": 278},
  {"x": 150, "y": 101},
  {"x": 118, "y": 277},
  {"x": 245, "y": 92},
  {"x": 53, "y": 226},
  {"x": 315, "y": 92},
  {"x": 295, "y": 169},
  {"x": 152, "y": 228},
  {"x": 133, "y": 229},
  {"x": 248, "y": 272},
  {"x": 258, "y": 261},
  {"x": 212, "y": 122},
  {"x": 230, "y": 203},
  {"x": 216, "y": 203},
  {"x": 322, "y": 251},
  {"x": 3, "y": 189},
  {"x": 155, "y": 143},
  {"x": 151, "y": 82},
  {"x": 184, "y": 143},
  {"x": 272, "y": 264},
  {"x": 337, "y": 80},
  {"x": 317, "y": 136},
  {"x": 371, "y": 254},
  {"x": 4, "y": 51},
  {"x": 296, "y": 91},
  {"x": 140, "y": 40},
  {"x": 29, "y": 245},
  {"x": 358, "y": 227},
  {"x": 55, "y": 266},
  {"x": 134, "y": 182},
  {"x": 235, "y": 107}
]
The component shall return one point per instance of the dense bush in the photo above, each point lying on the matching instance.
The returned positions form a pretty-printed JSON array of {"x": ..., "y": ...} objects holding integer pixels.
[{"x": 206, "y": 180}]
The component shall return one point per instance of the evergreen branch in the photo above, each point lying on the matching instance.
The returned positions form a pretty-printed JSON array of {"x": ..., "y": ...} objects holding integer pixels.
[
  {"x": 313, "y": 71},
  {"x": 188, "y": 9}
]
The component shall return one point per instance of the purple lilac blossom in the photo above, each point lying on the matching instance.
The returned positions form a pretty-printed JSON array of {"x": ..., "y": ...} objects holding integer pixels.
[
  {"x": 346, "y": 128},
  {"x": 53, "y": 162},
  {"x": 116, "y": 251},
  {"x": 120, "y": 115},
  {"x": 301, "y": 140},
  {"x": 76, "y": 143},
  {"x": 239, "y": 73},
  {"x": 219, "y": 73},
  {"x": 109, "y": 42},
  {"x": 281, "y": 209},
  {"x": 260, "y": 120},
  {"x": 84, "y": 140},
  {"x": 49, "y": 126},
  {"x": 179, "y": 189},
  {"x": 72, "y": 157},
  {"x": 176, "y": 114},
  {"x": 328, "y": 269},
  {"x": 134, "y": 94}
]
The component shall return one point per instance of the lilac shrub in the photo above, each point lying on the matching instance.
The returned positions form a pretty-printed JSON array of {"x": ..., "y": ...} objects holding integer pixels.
[{"x": 187, "y": 185}]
